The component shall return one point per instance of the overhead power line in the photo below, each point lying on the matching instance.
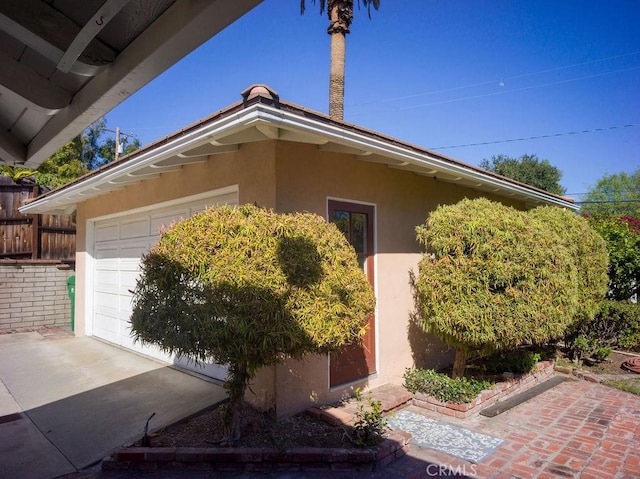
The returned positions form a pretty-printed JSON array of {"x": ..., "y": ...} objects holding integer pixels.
[
  {"x": 503, "y": 80},
  {"x": 606, "y": 201},
  {"x": 539, "y": 137},
  {"x": 474, "y": 97}
]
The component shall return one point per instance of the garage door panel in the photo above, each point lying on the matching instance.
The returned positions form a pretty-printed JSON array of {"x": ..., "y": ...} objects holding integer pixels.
[
  {"x": 106, "y": 252},
  {"x": 107, "y": 280},
  {"x": 208, "y": 369},
  {"x": 118, "y": 248},
  {"x": 128, "y": 280},
  {"x": 133, "y": 250},
  {"x": 107, "y": 232},
  {"x": 105, "y": 300},
  {"x": 106, "y": 327},
  {"x": 146, "y": 349},
  {"x": 138, "y": 228},
  {"x": 164, "y": 219}
]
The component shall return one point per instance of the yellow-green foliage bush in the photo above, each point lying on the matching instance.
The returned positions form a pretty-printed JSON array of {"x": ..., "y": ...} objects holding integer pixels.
[
  {"x": 247, "y": 287},
  {"x": 494, "y": 277}
]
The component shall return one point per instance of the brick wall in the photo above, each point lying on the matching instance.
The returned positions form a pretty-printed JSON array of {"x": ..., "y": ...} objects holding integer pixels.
[{"x": 33, "y": 295}]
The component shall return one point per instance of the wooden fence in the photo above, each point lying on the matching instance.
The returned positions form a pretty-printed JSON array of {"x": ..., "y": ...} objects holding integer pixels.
[{"x": 33, "y": 237}]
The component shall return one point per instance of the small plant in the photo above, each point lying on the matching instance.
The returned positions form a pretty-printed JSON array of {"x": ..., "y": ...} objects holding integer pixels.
[
  {"x": 370, "y": 425},
  {"x": 602, "y": 353},
  {"x": 580, "y": 348},
  {"x": 442, "y": 387}
]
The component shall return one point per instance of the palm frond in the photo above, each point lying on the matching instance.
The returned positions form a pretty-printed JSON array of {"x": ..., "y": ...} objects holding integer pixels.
[{"x": 323, "y": 3}]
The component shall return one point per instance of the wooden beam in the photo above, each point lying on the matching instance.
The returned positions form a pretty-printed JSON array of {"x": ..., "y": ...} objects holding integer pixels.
[
  {"x": 42, "y": 94},
  {"x": 11, "y": 149},
  {"x": 36, "y": 18},
  {"x": 87, "y": 34},
  {"x": 184, "y": 26}
]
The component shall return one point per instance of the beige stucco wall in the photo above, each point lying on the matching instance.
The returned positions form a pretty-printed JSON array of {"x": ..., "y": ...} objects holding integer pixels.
[{"x": 297, "y": 177}]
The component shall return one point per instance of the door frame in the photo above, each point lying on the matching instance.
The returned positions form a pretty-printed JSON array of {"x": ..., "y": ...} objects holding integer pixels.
[{"x": 374, "y": 267}]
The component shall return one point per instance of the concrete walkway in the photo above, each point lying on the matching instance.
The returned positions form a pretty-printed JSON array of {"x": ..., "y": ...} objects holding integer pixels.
[{"x": 66, "y": 402}]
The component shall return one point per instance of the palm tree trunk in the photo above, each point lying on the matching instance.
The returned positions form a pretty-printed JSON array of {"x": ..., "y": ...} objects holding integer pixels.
[{"x": 338, "y": 31}]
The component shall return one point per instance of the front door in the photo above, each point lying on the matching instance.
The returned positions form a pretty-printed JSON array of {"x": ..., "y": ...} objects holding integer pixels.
[{"x": 356, "y": 222}]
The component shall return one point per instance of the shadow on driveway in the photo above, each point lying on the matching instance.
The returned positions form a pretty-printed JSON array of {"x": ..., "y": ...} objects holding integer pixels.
[{"x": 67, "y": 403}]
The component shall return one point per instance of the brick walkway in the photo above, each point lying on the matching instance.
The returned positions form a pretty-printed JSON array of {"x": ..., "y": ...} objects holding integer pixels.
[{"x": 576, "y": 430}]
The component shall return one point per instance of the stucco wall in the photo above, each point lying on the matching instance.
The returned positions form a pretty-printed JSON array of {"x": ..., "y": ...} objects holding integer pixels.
[{"x": 33, "y": 295}]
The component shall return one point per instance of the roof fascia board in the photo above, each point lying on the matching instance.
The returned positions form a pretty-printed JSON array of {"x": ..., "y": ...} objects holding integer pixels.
[
  {"x": 359, "y": 140},
  {"x": 170, "y": 149}
]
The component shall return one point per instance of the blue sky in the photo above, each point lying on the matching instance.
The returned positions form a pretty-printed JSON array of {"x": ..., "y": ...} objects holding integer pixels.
[{"x": 436, "y": 73}]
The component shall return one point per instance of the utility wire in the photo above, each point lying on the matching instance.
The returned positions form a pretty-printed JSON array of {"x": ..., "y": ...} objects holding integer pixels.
[
  {"x": 607, "y": 201},
  {"x": 595, "y": 130},
  {"x": 422, "y": 105},
  {"x": 493, "y": 82}
]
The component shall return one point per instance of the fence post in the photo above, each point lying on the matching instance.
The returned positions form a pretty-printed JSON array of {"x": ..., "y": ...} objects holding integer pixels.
[{"x": 35, "y": 229}]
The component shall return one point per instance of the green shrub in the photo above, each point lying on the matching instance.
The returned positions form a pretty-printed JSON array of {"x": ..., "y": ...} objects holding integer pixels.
[
  {"x": 249, "y": 287},
  {"x": 622, "y": 236},
  {"x": 496, "y": 278},
  {"x": 588, "y": 252},
  {"x": 616, "y": 325},
  {"x": 516, "y": 361},
  {"x": 630, "y": 335},
  {"x": 442, "y": 387}
]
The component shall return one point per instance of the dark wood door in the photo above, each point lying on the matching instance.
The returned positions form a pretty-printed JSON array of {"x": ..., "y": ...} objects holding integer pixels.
[{"x": 356, "y": 222}]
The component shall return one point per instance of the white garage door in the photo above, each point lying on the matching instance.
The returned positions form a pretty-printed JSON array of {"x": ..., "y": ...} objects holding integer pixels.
[{"x": 119, "y": 244}]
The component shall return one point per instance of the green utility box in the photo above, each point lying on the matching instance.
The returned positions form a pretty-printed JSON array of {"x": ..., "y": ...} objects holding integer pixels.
[{"x": 71, "y": 290}]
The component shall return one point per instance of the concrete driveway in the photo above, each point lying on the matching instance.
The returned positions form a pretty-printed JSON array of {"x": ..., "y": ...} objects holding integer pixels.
[{"x": 66, "y": 402}]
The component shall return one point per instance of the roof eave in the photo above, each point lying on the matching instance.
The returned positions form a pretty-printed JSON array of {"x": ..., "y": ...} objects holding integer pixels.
[{"x": 281, "y": 116}]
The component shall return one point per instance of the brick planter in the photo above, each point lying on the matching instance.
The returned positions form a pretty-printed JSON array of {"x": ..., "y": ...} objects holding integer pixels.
[
  {"x": 261, "y": 459},
  {"x": 498, "y": 392}
]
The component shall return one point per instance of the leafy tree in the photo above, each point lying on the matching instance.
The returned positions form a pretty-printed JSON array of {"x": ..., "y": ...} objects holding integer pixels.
[
  {"x": 108, "y": 149},
  {"x": 98, "y": 151},
  {"x": 248, "y": 287},
  {"x": 494, "y": 278},
  {"x": 527, "y": 169},
  {"x": 340, "y": 14},
  {"x": 614, "y": 195},
  {"x": 61, "y": 168},
  {"x": 622, "y": 235},
  {"x": 82, "y": 154}
]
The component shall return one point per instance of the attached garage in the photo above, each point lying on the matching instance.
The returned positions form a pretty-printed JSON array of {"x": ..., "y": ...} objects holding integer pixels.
[{"x": 118, "y": 244}]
